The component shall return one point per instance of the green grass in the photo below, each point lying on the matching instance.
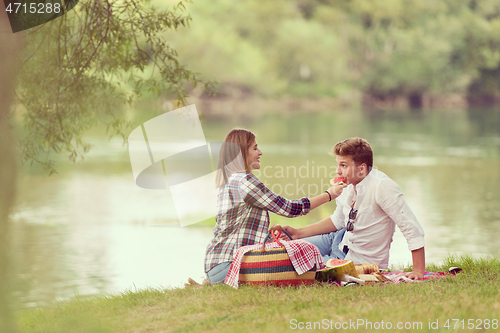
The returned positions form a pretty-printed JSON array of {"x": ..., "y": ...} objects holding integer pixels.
[{"x": 472, "y": 294}]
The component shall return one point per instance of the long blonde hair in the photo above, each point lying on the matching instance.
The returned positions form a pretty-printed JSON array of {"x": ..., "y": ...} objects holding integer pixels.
[{"x": 237, "y": 142}]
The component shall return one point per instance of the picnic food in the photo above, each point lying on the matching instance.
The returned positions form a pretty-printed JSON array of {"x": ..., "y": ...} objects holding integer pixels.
[
  {"x": 368, "y": 272},
  {"x": 336, "y": 268},
  {"x": 338, "y": 180},
  {"x": 366, "y": 268},
  {"x": 336, "y": 262},
  {"x": 368, "y": 277},
  {"x": 345, "y": 270}
]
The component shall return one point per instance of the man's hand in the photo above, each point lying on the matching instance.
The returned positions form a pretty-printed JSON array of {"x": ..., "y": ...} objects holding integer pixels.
[
  {"x": 292, "y": 231},
  {"x": 414, "y": 275},
  {"x": 418, "y": 257}
]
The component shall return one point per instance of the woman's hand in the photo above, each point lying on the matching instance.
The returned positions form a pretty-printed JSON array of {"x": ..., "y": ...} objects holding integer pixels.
[
  {"x": 333, "y": 192},
  {"x": 414, "y": 275},
  {"x": 336, "y": 190},
  {"x": 277, "y": 228}
]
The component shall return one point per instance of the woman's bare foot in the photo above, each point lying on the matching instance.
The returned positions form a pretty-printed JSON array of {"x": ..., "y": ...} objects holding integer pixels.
[{"x": 193, "y": 283}]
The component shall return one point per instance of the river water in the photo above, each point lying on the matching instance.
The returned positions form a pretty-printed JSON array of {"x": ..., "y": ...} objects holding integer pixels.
[{"x": 90, "y": 230}]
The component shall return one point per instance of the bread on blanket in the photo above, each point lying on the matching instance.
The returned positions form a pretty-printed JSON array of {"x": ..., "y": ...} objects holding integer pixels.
[
  {"x": 366, "y": 268},
  {"x": 368, "y": 277},
  {"x": 370, "y": 272}
]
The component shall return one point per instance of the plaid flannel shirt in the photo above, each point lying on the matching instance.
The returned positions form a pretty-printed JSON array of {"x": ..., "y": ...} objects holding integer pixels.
[{"x": 243, "y": 207}]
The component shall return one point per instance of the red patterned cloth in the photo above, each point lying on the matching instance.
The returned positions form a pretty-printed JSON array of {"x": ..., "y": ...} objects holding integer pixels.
[
  {"x": 303, "y": 256},
  {"x": 398, "y": 277}
]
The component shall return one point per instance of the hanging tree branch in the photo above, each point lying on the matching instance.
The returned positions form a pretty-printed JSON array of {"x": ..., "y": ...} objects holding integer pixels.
[{"x": 64, "y": 82}]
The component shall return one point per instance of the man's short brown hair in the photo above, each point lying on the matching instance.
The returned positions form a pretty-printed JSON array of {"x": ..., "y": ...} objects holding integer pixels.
[{"x": 358, "y": 148}]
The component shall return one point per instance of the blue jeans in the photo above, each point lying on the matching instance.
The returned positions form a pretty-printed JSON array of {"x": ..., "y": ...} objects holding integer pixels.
[
  {"x": 328, "y": 244},
  {"x": 218, "y": 273}
]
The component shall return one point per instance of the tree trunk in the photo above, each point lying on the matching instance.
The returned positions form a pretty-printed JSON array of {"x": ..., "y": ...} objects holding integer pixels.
[{"x": 9, "y": 47}]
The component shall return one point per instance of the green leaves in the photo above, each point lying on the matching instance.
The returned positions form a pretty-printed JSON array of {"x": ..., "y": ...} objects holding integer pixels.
[
  {"x": 78, "y": 71},
  {"x": 389, "y": 49}
]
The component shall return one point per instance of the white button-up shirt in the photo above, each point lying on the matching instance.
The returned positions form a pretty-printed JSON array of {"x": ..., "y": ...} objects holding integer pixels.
[{"x": 381, "y": 205}]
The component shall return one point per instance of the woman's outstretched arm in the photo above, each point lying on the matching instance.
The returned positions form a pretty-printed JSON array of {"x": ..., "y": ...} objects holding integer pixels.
[
  {"x": 257, "y": 194},
  {"x": 334, "y": 192}
]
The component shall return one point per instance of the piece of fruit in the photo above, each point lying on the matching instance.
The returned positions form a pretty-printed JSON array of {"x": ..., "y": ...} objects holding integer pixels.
[
  {"x": 336, "y": 268},
  {"x": 338, "y": 181},
  {"x": 336, "y": 262}
]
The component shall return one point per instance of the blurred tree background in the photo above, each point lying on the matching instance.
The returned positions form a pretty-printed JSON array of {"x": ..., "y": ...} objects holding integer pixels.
[
  {"x": 78, "y": 71},
  {"x": 412, "y": 52}
]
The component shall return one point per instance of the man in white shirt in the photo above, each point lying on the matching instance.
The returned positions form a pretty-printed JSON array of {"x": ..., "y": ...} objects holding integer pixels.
[{"x": 369, "y": 208}]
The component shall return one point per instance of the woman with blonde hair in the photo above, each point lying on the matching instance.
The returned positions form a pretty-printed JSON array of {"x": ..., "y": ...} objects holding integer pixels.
[{"x": 244, "y": 202}]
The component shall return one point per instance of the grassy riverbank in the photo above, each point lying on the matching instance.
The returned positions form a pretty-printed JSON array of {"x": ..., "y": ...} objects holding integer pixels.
[{"x": 472, "y": 294}]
